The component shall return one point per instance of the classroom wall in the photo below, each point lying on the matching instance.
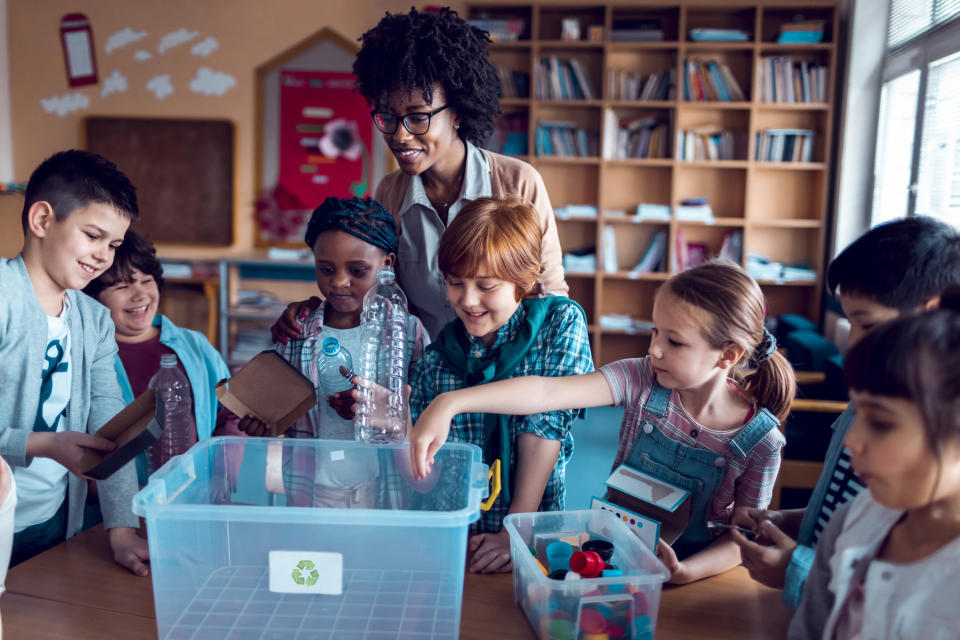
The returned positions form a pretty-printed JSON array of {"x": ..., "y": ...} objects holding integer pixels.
[{"x": 248, "y": 33}]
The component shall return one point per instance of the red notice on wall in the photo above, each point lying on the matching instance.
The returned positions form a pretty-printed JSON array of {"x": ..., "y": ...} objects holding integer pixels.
[{"x": 325, "y": 137}]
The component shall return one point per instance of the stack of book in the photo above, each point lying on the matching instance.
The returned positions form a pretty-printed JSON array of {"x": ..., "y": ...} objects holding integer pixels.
[
  {"x": 564, "y": 139},
  {"x": 707, "y": 143},
  {"x": 694, "y": 210},
  {"x": 653, "y": 256},
  {"x": 627, "y": 85},
  {"x": 557, "y": 79},
  {"x": 636, "y": 30},
  {"x": 500, "y": 30},
  {"x": 513, "y": 84},
  {"x": 763, "y": 268},
  {"x": 710, "y": 81},
  {"x": 510, "y": 136},
  {"x": 719, "y": 35},
  {"x": 805, "y": 32},
  {"x": 646, "y": 137},
  {"x": 781, "y": 79},
  {"x": 784, "y": 145}
]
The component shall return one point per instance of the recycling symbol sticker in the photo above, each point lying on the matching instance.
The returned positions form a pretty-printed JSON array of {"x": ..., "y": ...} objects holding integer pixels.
[{"x": 305, "y": 573}]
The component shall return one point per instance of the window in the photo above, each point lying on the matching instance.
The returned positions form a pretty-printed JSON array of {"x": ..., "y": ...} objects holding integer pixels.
[{"x": 917, "y": 156}]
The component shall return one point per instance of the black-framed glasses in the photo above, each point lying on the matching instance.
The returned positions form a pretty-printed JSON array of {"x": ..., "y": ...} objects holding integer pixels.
[{"x": 417, "y": 123}]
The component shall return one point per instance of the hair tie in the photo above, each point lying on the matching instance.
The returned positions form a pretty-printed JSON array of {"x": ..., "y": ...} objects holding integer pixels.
[{"x": 766, "y": 348}]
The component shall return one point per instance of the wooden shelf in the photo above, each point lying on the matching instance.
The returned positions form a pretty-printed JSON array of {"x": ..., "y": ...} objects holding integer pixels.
[
  {"x": 711, "y": 45},
  {"x": 713, "y": 104},
  {"x": 510, "y": 44},
  {"x": 635, "y": 275},
  {"x": 780, "y": 208},
  {"x": 591, "y": 160}
]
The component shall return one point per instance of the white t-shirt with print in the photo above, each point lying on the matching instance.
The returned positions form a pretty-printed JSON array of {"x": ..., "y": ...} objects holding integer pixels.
[{"x": 42, "y": 485}]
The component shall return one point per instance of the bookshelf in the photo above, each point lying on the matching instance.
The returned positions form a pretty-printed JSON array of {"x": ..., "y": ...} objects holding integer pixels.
[{"x": 778, "y": 208}]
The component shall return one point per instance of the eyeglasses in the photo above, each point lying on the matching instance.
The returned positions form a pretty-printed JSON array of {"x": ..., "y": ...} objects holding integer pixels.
[{"x": 416, "y": 123}]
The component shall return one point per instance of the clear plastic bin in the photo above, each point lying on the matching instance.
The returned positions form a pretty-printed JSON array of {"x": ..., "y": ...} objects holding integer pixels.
[
  {"x": 613, "y": 607},
  {"x": 234, "y": 555}
]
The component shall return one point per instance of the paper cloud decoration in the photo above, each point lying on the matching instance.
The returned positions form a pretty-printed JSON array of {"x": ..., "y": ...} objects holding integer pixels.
[
  {"x": 175, "y": 39},
  {"x": 116, "y": 82},
  {"x": 122, "y": 38},
  {"x": 205, "y": 47},
  {"x": 160, "y": 86},
  {"x": 211, "y": 83},
  {"x": 67, "y": 103}
]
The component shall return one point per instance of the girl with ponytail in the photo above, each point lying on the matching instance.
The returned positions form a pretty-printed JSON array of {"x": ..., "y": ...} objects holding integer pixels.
[{"x": 694, "y": 416}]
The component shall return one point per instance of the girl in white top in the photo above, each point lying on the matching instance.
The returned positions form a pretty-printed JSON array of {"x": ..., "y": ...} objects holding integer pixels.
[{"x": 886, "y": 566}]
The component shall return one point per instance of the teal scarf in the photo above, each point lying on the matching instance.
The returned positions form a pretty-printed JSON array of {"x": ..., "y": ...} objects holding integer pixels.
[{"x": 453, "y": 344}]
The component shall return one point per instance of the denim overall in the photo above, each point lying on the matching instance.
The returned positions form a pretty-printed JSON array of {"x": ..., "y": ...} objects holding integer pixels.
[{"x": 700, "y": 471}]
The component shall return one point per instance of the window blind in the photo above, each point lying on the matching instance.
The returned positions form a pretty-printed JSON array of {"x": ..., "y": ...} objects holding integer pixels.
[{"x": 912, "y": 18}]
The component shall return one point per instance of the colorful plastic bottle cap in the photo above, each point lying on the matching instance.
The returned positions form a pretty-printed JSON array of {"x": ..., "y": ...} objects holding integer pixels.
[
  {"x": 612, "y": 573},
  {"x": 602, "y": 548},
  {"x": 640, "y": 604},
  {"x": 558, "y": 574},
  {"x": 595, "y": 636},
  {"x": 571, "y": 576},
  {"x": 592, "y": 621},
  {"x": 561, "y": 630},
  {"x": 558, "y": 555},
  {"x": 560, "y": 614},
  {"x": 642, "y": 627},
  {"x": 615, "y": 631},
  {"x": 587, "y": 563}
]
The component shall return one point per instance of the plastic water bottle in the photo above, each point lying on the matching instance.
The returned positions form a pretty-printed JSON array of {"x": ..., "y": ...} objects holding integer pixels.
[
  {"x": 330, "y": 358},
  {"x": 174, "y": 412},
  {"x": 382, "y": 412}
]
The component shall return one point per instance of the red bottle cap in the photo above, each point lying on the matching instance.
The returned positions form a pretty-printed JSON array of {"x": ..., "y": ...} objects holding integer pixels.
[{"x": 587, "y": 563}]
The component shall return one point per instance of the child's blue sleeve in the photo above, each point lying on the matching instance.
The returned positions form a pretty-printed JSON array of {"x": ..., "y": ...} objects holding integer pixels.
[{"x": 797, "y": 572}]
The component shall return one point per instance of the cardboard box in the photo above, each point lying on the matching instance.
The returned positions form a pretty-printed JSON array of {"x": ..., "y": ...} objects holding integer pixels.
[
  {"x": 651, "y": 497},
  {"x": 269, "y": 388},
  {"x": 133, "y": 429}
]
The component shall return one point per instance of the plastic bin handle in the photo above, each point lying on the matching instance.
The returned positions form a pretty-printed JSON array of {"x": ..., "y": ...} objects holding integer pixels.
[
  {"x": 495, "y": 486},
  {"x": 166, "y": 483}
]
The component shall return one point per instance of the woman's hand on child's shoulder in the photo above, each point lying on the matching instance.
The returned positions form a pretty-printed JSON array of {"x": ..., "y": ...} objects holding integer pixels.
[
  {"x": 288, "y": 325},
  {"x": 490, "y": 552}
]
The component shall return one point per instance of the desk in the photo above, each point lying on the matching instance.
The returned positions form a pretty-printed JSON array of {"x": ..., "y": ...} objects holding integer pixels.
[{"x": 76, "y": 591}]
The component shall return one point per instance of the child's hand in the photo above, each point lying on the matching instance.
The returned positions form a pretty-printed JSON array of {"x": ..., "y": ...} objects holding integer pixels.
[
  {"x": 129, "y": 549},
  {"x": 344, "y": 402},
  {"x": 253, "y": 426},
  {"x": 429, "y": 434},
  {"x": 490, "y": 552},
  {"x": 67, "y": 447},
  {"x": 678, "y": 571},
  {"x": 751, "y": 518},
  {"x": 287, "y": 325},
  {"x": 767, "y": 563}
]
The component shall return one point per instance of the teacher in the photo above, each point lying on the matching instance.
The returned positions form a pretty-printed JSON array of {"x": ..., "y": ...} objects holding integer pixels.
[{"x": 435, "y": 98}]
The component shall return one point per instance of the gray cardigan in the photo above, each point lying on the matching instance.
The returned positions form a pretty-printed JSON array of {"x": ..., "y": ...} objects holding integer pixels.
[{"x": 94, "y": 393}]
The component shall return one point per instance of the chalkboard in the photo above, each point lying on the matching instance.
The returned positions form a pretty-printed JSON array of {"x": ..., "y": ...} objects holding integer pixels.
[{"x": 183, "y": 172}]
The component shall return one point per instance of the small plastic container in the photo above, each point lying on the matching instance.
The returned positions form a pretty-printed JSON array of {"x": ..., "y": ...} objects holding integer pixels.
[
  {"x": 230, "y": 558},
  {"x": 573, "y": 610}
]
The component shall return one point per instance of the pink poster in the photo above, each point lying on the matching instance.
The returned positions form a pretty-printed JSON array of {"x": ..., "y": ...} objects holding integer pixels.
[{"x": 325, "y": 138}]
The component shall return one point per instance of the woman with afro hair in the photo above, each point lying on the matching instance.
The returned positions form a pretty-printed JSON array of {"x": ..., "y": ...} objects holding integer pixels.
[{"x": 435, "y": 97}]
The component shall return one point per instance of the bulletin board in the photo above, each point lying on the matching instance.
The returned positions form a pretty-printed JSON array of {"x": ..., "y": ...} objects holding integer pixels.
[{"x": 182, "y": 170}]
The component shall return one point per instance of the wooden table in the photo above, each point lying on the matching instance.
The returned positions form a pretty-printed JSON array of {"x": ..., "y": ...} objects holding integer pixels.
[{"x": 76, "y": 591}]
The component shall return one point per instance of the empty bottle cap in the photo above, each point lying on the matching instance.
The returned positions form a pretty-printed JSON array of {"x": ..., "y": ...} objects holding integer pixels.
[
  {"x": 559, "y": 574},
  {"x": 330, "y": 346},
  {"x": 592, "y": 621},
  {"x": 602, "y": 548},
  {"x": 587, "y": 563}
]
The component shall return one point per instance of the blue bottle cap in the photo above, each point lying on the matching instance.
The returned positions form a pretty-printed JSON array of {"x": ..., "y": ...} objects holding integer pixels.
[{"x": 330, "y": 346}]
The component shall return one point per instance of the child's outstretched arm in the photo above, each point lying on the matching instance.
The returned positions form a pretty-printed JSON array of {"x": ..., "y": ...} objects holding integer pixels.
[
  {"x": 517, "y": 396},
  {"x": 722, "y": 555}
]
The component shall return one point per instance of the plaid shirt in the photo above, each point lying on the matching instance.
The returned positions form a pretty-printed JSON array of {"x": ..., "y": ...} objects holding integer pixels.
[
  {"x": 301, "y": 353},
  {"x": 561, "y": 348}
]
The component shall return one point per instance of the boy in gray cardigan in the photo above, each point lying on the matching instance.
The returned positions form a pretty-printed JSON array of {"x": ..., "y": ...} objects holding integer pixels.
[{"x": 57, "y": 382}]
